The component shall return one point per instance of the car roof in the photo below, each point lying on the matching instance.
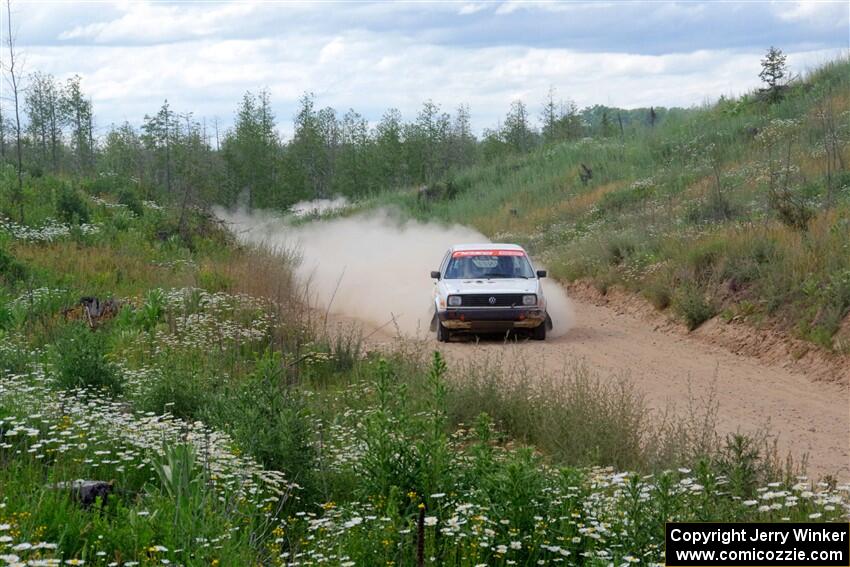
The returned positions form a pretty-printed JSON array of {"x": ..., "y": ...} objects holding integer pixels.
[{"x": 486, "y": 246}]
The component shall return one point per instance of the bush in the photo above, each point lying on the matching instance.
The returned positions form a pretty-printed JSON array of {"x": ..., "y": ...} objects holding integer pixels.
[
  {"x": 715, "y": 209},
  {"x": 130, "y": 199},
  {"x": 691, "y": 304},
  {"x": 792, "y": 209},
  {"x": 213, "y": 280},
  {"x": 271, "y": 421},
  {"x": 658, "y": 294},
  {"x": 81, "y": 361},
  {"x": 151, "y": 311},
  {"x": 703, "y": 260},
  {"x": 617, "y": 201},
  {"x": 71, "y": 207},
  {"x": 11, "y": 269},
  {"x": 619, "y": 247},
  {"x": 176, "y": 391}
]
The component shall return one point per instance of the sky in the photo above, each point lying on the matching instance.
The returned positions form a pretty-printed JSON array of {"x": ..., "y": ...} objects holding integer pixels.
[{"x": 203, "y": 56}]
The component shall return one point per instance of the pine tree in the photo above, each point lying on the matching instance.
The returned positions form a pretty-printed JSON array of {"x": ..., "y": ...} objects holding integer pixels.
[
  {"x": 516, "y": 131},
  {"x": 549, "y": 116},
  {"x": 773, "y": 71}
]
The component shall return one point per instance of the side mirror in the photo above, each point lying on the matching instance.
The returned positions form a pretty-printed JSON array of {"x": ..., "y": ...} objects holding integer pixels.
[
  {"x": 541, "y": 273},
  {"x": 435, "y": 275}
]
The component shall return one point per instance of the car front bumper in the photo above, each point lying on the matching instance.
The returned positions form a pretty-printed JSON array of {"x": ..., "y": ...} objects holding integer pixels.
[{"x": 492, "y": 318}]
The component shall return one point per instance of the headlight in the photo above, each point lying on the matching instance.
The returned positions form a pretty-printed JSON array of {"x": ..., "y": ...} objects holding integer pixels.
[
  {"x": 454, "y": 300},
  {"x": 529, "y": 300}
]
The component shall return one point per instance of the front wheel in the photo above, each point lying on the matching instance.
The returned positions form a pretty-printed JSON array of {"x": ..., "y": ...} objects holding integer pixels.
[
  {"x": 443, "y": 334},
  {"x": 538, "y": 333}
]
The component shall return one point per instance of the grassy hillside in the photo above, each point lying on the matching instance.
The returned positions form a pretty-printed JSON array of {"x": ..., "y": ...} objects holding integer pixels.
[
  {"x": 142, "y": 348},
  {"x": 740, "y": 209},
  {"x": 227, "y": 428}
]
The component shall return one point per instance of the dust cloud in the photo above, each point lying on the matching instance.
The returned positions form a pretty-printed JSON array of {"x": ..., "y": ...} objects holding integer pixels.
[
  {"x": 373, "y": 266},
  {"x": 318, "y": 206}
]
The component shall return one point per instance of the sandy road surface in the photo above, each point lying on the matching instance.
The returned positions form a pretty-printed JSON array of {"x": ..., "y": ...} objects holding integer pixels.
[{"x": 809, "y": 417}]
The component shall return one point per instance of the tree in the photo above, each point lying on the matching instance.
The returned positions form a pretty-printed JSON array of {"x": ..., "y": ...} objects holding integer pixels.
[
  {"x": 18, "y": 195},
  {"x": 549, "y": 116},
  {"x": 251, "y": 150},
  {"x": 567, "y": 125},
  {"x": 308, "y": 155},
  {"x": 353, "y": 176},
  {"x": 45, "y": 117},
  {"x": 424, "y": 140},
  {"x": 389, "y": 150},
  {"x": 191, "y": 168},
  {"x": 2, "y": 133},
  {"x": 159, "y": 131},
  {"x": 606, "y": 129},
  {"x": 773, "y": 71},
  {"x": 493, "y": 144},
  {"x": 123, "y": 154},
  {"x": 462, "y": 140},
  {"x": 516, "y": 131},
  {"x": 77, "y": 111}
]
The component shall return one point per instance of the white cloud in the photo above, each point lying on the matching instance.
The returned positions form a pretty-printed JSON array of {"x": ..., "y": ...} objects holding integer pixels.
[
  {"x": 203, "y": 57},
  {"x": 151, "y": 22},
  {"x": 829, "y": 13},
  {"x": 471, "y": 8}
]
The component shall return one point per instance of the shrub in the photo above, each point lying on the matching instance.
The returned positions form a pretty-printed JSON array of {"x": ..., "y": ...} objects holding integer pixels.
[
  {"x": 102, "y": 184},
  {"x": 213, "y": 280},
  {"x": 81, "y": 361},
  {"x": 407, "y": 451},
  {"x": 175, "y": 390},
  {"x": 691, "y": 304},
  {"x": 658, "y": 294},
  {"x": 151, "y": 311},
  {"x": 130, "y": 199},
  {"x": 271, "y": 421},
  {"x": 71, "y": 207},
  {"x": 121, "y": 221},
  {"x": 11, "y": 269},
  {"x": 792, "y": 209},
  {"x": 14, "y": 357},
  {"x": 703, "y": 259},
  {"x": 617, "y": 201},
  {"x": 714, "y": 209},
  {"x": 618, "y": 247}
]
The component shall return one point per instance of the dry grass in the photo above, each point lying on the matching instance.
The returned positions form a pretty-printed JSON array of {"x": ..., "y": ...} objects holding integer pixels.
[{"x": 103, "y": 268}]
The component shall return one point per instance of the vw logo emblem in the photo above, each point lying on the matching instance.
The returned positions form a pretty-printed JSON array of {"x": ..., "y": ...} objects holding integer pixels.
[{"x": 492, "y": 301}]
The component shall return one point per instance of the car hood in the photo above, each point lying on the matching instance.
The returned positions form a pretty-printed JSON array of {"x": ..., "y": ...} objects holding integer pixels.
[{"x": 498, "y": 285}]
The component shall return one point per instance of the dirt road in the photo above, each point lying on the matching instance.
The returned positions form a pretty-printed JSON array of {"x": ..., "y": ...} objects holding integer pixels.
[{"x": 809, "y": 416}]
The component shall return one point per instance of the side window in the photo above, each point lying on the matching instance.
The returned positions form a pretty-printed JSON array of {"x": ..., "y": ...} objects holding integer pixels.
[{"x": 445, "y": 263}]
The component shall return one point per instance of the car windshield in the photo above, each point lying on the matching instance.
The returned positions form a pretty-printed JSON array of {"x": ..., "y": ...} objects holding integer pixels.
[{"x": 486, "y": 264}]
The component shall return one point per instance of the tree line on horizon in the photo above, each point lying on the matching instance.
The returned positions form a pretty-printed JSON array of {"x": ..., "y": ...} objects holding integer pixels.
[{"x": 174, "y": 155}]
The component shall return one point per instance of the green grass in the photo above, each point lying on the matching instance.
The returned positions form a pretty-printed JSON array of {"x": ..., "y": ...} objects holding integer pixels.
[
  {"x": 236, "y": 432},
  {"x": 696, "y": 183}
]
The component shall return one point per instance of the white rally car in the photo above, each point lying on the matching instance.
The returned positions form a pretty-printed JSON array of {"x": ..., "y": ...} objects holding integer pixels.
[{"x": 488, "y": 288}]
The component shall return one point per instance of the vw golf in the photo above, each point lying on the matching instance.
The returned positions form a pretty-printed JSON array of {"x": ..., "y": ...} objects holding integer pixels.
[{"x": 488, "y": 288}]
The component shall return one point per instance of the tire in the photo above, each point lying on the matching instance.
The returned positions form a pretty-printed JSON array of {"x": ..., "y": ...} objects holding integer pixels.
[
  {"x": 538, "y": 333},
  {"x": 443, "y": 334}
]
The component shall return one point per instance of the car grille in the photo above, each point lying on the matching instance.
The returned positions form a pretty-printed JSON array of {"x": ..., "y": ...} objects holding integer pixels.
[{"x": 483, "y": 300}]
